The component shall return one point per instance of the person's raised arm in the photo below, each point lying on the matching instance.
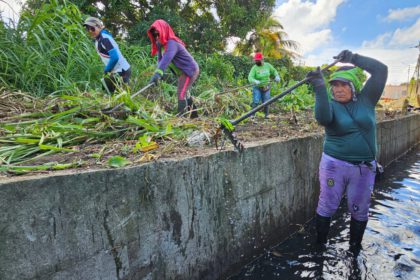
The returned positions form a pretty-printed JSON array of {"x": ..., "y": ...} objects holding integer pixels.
[
  {"x": 374, "y": 86},
  {"x": 323, "y": 110}
]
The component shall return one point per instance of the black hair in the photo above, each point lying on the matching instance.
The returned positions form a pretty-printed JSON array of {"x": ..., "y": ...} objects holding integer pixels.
[{"x": 154, "y": 32}]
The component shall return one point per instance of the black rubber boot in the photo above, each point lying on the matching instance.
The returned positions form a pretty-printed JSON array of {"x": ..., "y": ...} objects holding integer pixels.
[
  {"x": 109, "y": 84},
  {"x": 266, "y": 112},
  {"x": 192, "y": 108},
  {"x": 357, "y": 229},
  {"x": 253, "y": 117},
  {"x": 182, "y": 106},
  {"x": 322, "y": 229}
]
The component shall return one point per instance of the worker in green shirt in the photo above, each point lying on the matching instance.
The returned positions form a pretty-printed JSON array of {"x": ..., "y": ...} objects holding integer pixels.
[
  {"x": 259, "y": 76},
  {"x": 348, "y": 162}
]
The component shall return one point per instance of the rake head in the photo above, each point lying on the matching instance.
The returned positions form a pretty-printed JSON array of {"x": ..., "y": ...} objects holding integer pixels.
[{"x": 228, "y": 131}]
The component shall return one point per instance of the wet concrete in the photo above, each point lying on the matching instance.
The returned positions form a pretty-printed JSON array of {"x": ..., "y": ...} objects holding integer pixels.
[{"x": 391, "y": 245}]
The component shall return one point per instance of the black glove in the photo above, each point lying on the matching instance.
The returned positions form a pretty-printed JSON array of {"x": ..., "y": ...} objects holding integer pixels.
[
  {"x": 315, "y": 77},
  {"x": 155, "y": 78},
  {"x": 345, "y": 56}
]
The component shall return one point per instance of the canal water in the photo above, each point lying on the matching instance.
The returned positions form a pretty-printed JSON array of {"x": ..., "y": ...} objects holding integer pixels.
[{"x": 391, "y": 244}]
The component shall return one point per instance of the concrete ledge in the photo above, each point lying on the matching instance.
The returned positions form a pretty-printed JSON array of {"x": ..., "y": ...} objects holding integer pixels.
[
  {"x": 176, "y": 219},
  {"x": 396, "y": 137}
]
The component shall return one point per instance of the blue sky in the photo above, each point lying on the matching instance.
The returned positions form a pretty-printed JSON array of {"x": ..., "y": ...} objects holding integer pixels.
[
  {"x": 369, "y": 16},
  {"x": 384, "y": 29}
]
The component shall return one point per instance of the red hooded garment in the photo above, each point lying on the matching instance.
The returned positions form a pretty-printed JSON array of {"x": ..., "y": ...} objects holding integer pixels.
[{"x": 165, "y": 34}]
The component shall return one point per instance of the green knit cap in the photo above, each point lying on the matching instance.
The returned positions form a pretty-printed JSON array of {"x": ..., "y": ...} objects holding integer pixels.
[{"x": 350, "y": 75}]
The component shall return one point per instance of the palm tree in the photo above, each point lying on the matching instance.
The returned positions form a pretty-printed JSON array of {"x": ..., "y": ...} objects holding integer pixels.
[{"x": 269, "y": 38}]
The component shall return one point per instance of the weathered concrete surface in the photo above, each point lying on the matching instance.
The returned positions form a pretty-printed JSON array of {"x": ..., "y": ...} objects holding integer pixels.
[
  {"x": 394, "y": 137},
  {"x": 185, "y": 219}
]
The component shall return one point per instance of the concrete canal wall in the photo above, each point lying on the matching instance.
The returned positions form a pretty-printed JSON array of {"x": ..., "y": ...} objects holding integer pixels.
[{"x": 176, "y": 219}]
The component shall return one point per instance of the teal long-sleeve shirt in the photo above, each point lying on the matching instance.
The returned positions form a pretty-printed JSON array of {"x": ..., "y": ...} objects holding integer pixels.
[{"x": 344, "y": 139}]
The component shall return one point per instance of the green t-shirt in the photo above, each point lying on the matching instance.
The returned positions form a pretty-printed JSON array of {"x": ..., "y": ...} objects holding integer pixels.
[{"x": 262, "y": 73}]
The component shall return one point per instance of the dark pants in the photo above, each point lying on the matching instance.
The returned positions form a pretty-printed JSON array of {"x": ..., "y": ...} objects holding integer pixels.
[
  {"x": 185, "y": 102},
  {"x": 113, "y": 80}
]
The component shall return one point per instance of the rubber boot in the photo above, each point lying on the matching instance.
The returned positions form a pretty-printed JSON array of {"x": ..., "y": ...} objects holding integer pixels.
[
  {"x": 182, "y": 105},
  {"x": 322, "y": 229},
  {"x": 357, "y": 229},
  {"x": 253, "y": 117},
  {"x": 109, "y": 84},
  {"x": 192, "y": 108},
  {"x": 266, "y": 112}
]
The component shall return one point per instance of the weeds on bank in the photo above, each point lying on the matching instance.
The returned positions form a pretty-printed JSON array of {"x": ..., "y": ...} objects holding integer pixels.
[{"x": 51, "y": 99}]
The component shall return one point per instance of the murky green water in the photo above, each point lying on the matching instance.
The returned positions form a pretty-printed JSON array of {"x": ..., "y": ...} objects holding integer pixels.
[{"x": 391, "y": 245}]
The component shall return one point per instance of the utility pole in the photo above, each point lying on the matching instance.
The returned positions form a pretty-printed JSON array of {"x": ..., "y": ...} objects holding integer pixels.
[
  {"x": 408, "y": 80},
  {"x": 416, "y": 74},
  {"x": 417, "y": 70}
]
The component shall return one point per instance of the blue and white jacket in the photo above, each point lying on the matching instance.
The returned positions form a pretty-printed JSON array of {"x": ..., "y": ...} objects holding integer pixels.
[{"x": 110, "y": 54}]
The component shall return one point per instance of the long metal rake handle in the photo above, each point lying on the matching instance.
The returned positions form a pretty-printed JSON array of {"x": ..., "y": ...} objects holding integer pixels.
[
  {"x": 233, "y": 139},
  {"x": 273, "y": 99}
]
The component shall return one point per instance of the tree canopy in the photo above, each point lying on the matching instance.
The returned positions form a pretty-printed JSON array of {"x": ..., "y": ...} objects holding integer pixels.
[
  {"x": 204, "y": 25},
  {"x": 270, "y": 38}
]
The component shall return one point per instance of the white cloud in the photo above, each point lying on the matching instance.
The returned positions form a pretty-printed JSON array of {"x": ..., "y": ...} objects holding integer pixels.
[
  {"x": 399, "y": 38},
  {"x": 403, "y": 14},
  {"x": 308, "y": 22},
  {"x": 231, "y": 43},
  {"x": 398, "y": 60},
  {"x": 395, "y": 49},
  {"x": 406, "y": 36},
  {"x": 379, "y": 42},
  {"x": 10, "y": 9}
]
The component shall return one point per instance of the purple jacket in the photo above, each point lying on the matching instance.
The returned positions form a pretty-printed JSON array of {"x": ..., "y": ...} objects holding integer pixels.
[{"x": 179, "y": 56}]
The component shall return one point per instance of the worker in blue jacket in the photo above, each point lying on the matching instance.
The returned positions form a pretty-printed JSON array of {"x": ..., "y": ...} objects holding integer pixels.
[{"x": 116, "y": 66}]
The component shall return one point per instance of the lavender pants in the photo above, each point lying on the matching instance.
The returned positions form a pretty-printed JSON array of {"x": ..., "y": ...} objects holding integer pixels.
[{"x": 338, "y": 176}]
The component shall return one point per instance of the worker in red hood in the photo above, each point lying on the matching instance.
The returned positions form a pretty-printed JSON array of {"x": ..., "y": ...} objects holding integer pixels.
[{"x": 163, "y": 37}]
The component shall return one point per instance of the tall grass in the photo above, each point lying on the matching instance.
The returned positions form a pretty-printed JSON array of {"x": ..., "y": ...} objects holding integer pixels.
[{"x": 48, "y": 51}]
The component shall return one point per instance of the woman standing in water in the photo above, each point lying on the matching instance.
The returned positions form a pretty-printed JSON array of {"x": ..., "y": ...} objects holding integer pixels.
[{"x": 349, "y": 154}]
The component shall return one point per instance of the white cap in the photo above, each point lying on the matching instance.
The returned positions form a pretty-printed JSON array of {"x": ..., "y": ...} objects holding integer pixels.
[{"x": 94, "y": 22}]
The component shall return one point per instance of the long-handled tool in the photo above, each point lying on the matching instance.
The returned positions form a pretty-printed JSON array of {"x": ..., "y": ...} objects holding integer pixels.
[
  {"x": 228, "y": 127},
  {"x": 110, "y": 110},
  {"x": 235, "y": 89},
  {"x": 240, "y": 87}
]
